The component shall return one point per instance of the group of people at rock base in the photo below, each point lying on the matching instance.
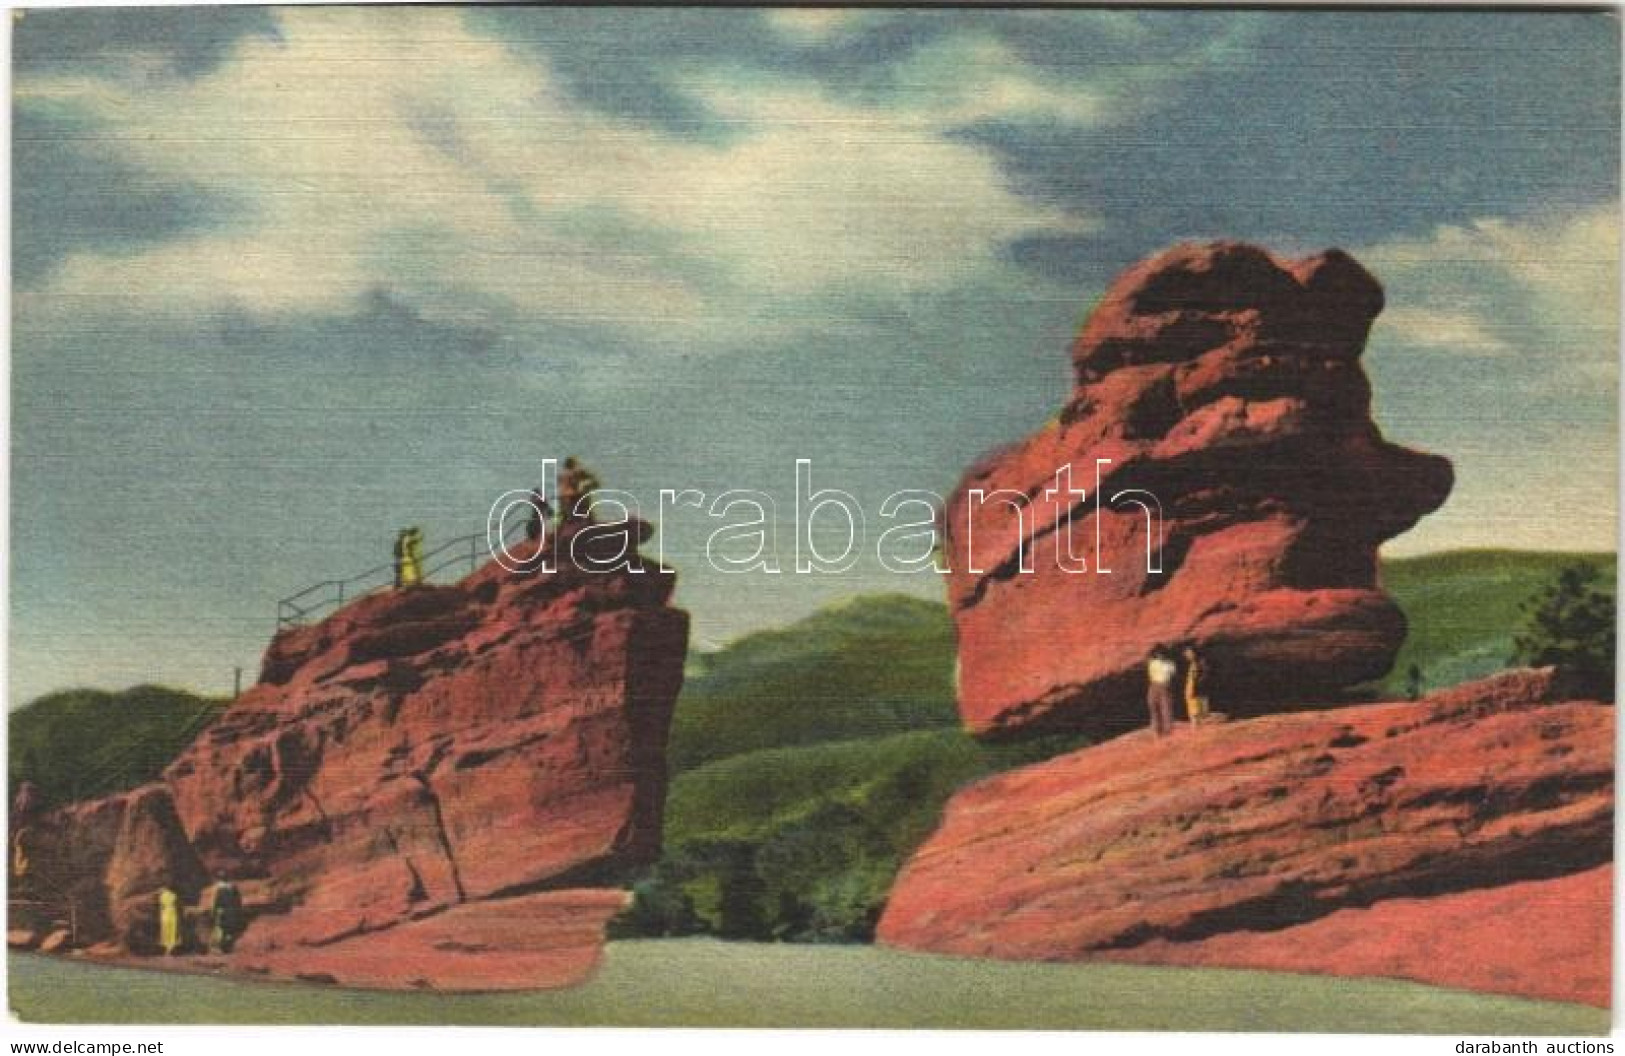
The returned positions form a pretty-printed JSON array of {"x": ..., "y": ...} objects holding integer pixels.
[
  {"x": 226, "y": 918},
  {"x": 1162, "y": 674}
]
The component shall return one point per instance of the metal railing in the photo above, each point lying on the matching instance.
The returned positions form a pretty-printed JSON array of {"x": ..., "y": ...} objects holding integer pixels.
[
  {"x": 49, "y": 910},
  {"x": 464, "y": 553}
]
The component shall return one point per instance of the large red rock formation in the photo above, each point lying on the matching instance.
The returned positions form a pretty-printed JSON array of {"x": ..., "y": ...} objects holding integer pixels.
[
  {"x": 1250, "y": 843},
  {"x": 423, "y": 750},
  {"x": 1225, "y": 383}
]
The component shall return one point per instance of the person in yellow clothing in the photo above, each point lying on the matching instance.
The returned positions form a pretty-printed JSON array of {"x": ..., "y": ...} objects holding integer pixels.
[
  {"x": 414, "y": 556},
  {"x": 408, "y": 557},
  {"x": 169, "y": 921},
  {"x": 1196, "y": 700}
]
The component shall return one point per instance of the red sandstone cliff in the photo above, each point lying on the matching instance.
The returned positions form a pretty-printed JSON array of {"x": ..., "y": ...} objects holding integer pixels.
[
  {"x": 1225, "y": 383},
  {"x": 415, "y": 754}
]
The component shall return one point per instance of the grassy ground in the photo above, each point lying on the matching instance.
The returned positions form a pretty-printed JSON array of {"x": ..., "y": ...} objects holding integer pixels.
[{"x": 702, "y": 982}]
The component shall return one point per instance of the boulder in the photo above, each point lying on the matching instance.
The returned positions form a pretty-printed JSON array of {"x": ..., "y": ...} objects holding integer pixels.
[
  {"x": 1456, "y": 940},
  {"x": 1220, "y": 400},
  {"x": 101, "y": 864},
  {"x": 150, "y": 853},
  {"x": 1247, "y": 838}
]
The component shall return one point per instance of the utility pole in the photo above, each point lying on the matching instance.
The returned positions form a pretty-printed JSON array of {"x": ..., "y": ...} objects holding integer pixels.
[{"x": 237, "y": 685}]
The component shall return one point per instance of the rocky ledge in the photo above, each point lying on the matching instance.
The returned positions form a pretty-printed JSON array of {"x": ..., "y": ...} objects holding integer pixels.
[{"x": 1351, "y": 841}]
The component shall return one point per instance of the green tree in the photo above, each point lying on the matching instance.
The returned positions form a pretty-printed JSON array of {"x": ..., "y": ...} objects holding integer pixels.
[
  {"x": 82, "y": 743},
  {"x": 1570, "y": 623},
  {"x": 740, "y": 913},
  {"x": 660, "y": 906}
]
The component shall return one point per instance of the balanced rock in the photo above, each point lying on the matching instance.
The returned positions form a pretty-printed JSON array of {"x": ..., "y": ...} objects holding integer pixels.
[
  {"x": 1259, "y": 843},
  {"x": 1219, "y": 405}
]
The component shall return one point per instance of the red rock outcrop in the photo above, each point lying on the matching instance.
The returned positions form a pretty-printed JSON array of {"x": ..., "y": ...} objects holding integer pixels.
[
  {"x": 422, "y": 751},
  {"x": 1241, "y": 843},
  {"x": 1546, "y": 939},
  {"x": 1226, "y": 384},
  {"x": 529, "y": 942},
  {"x": 100, "y": 865}
]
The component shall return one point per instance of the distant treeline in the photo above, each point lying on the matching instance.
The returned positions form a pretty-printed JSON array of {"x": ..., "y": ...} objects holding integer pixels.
[{"x": 86, "y": 743}]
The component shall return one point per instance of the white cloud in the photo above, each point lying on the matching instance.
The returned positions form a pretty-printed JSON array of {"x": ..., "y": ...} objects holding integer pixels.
[
  {"x": 965, "y": 78},
  {"x": 846, "y": 192},
  {"x": 392, "y": 147},
  {"x": 1546, "y": 288},
  {"x": 1542, "y": 296},
  {"x": 815, "y": 25},
  {"x": 1443, "y": 328}
]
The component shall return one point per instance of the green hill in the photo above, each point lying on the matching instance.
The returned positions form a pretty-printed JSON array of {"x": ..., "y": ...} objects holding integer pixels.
[
  {"x": 85, "y": 743},
  {"x": 1464, "y": 607},
  {"x": 801, "y": 787},
  {"x": 809, "y": 762},
  {"x": 868, "y": 667},
  {"x": 878, "y": 665},
  {"x": 802, "y": 843}
]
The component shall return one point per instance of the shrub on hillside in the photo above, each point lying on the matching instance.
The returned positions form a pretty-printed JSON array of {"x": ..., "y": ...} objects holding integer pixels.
[{"x": 1570, "y": 623}]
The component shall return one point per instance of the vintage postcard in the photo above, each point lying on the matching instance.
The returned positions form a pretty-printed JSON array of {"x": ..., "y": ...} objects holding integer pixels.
[{"x": 1065, "y": 518}]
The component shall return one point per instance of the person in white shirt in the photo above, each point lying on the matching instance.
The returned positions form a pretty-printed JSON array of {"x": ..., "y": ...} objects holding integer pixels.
[{"x": 1160, "y": 672}]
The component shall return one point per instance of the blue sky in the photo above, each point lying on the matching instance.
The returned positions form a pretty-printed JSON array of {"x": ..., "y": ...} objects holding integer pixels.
[{"x": 288, "y": 279}]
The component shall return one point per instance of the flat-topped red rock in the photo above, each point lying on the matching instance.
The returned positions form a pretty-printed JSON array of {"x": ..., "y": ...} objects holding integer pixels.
[{"x": 416, "y": 752}]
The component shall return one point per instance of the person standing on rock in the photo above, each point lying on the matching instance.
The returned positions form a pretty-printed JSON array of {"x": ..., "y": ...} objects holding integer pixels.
[
  {"x": 400, "y": 558},
  {"x": 1196, "y": 698},
  {"x": 408, "y": 557},
  {"x": 414, "y": 556},
  {"x": 576, "y": 485},
  {"x": 169, "y": 921},
  {"x": 23, "y": 811},
  {"x": 226, "y": 906},
  {"x": 541, "y": 515},
  {"x": 1160, "y": 672}
]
